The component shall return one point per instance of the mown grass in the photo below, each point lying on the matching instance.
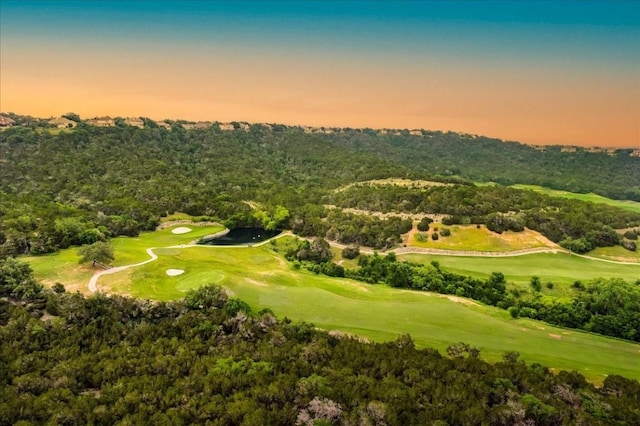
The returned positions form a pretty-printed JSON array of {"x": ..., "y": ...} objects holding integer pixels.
[
  {"x": 472, "y": 238},
  {"x": 63, "y": 266},
  {"x": 130, "y": 250},
  {"x": 594, "y": 198},
  {"x": 261, "y": 277},
  {"x": 559, "y": 268},
  {"x": 616, "y": 253}
]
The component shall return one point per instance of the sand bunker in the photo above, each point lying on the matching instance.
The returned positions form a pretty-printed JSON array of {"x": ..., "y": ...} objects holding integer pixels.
[
  {"x": 181, "y": 230},
  {"x": 174, "y": 272}
]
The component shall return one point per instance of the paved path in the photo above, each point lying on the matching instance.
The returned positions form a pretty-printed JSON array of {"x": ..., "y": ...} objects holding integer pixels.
[{"x": 93, "y": 282}]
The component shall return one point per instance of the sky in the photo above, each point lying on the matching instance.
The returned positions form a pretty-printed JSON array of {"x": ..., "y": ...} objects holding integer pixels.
[{"x": 536, "y": 72}]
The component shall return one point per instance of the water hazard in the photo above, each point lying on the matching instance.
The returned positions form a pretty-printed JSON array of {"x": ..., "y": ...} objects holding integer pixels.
[{"x": 242, "y": 236}]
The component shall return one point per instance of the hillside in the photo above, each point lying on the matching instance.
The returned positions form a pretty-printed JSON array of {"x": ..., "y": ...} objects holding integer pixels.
[
  {"x": 124, "y": 178},
  {"x": 613, "y": 173},
  {"x": 61, "y": 188}
]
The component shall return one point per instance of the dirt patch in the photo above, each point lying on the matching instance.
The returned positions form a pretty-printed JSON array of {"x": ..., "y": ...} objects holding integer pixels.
[
  {"x": 48, "y": 317},
  {"x": 461, "y": 300},
  {"x": 68, "y": 287},
  {"x": 254, "y": 282},
  {"x": 181, "y": 230},
  {"x": 174, "y": 272},
  {"x": 172, "y": 223},
  {"x": 394, "y": 182},
  {"x": 555, "y": 336}
]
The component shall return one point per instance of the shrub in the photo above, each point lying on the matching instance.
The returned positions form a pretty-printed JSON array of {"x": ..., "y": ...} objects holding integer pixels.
[
  {"x": 351, "y": 252},
  {"x": 535, "y": 284},
  {"x": 423, "y": 225},
  {"x": 435, "y": 236},
  {"x": 445, "y": 232},
  {"x": 451, "y": 220}
]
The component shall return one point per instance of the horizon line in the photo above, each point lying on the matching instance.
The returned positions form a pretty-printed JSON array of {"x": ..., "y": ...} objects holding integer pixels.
[{"x": 604, "y": 148}]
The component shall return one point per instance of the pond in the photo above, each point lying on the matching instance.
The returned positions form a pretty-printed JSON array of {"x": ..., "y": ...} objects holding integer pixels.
[{"x": 242, "y": 236}]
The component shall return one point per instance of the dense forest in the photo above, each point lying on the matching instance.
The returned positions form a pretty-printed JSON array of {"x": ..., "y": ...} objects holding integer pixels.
[
  {"x": 575, "y": 225},
  {"x": 613, "y": 174},
  {"x": 208, "y": 359},
  {"x": 59, "y": 189}
]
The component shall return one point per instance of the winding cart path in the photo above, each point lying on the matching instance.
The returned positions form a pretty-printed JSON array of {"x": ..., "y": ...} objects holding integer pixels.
[{"x": 93, "y": 282}]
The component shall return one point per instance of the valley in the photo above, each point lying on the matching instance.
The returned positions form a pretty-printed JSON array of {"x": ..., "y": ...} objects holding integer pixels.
[{"x": 262, "y": 277}]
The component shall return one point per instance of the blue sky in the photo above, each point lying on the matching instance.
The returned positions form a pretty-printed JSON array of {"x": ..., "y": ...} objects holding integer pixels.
[{"x": 520, "y": 48}]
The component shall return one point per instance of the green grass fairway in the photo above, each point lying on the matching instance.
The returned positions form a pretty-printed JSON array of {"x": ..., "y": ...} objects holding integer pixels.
[
  {"x": 617, "y": 253},
  {"x": 560, "y": 268},
  {"x": 263, "y": 278},
  {"x": 633, "y": 206},
  {"x": 132, "y": 250},
  {"x": 63, "y": 266}
]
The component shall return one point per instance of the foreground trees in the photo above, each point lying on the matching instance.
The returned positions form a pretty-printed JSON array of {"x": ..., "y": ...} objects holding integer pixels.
[{"x": 208, "y": 358}]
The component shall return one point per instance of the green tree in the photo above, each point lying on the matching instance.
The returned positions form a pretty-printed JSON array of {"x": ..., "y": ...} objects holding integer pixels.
[
  {"x": 536, "y": 284},
  {"x": 72, "y": 116},
  {"x": 351, "y": 252},
  {"x": 16, "y": 279},
  {"x": 97, "y": 252},
  {"x": 423, "y": 225}
]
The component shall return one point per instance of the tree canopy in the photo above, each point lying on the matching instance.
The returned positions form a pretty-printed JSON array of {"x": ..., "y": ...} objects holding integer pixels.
[{"x": 66, "y": 359}]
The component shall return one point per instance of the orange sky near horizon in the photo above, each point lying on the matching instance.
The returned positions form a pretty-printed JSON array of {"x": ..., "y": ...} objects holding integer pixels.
[{"x": 527, "y": 100}]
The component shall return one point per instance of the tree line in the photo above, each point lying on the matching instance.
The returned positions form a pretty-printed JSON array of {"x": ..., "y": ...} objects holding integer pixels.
[{"x": 608, "y": 307}]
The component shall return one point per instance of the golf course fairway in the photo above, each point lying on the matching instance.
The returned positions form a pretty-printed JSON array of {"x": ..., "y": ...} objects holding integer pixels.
[{"x": 264, "y": 279}]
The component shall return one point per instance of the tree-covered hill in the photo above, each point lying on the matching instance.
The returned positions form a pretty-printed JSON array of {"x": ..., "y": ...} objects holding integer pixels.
[
  {"x": 80, "y": 186},
  {"x": 68, "y": 188},
  {"x": 576, "y": 225},
  {"x": 612, "y": 174},
  {"x": 207, "y": 359}
]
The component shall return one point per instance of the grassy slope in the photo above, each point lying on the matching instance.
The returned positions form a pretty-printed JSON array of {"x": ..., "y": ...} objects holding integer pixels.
[
  {"x": 63, "y": 266},
  {"x": 480, "y": 239},
  {"x": 559, "y": 268},
  {"x": 263, "y": 279},
  {"x": 627, "y": 205},
  {"x": 616, "y": 253},
  {"x": 132, "y": 250}
]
